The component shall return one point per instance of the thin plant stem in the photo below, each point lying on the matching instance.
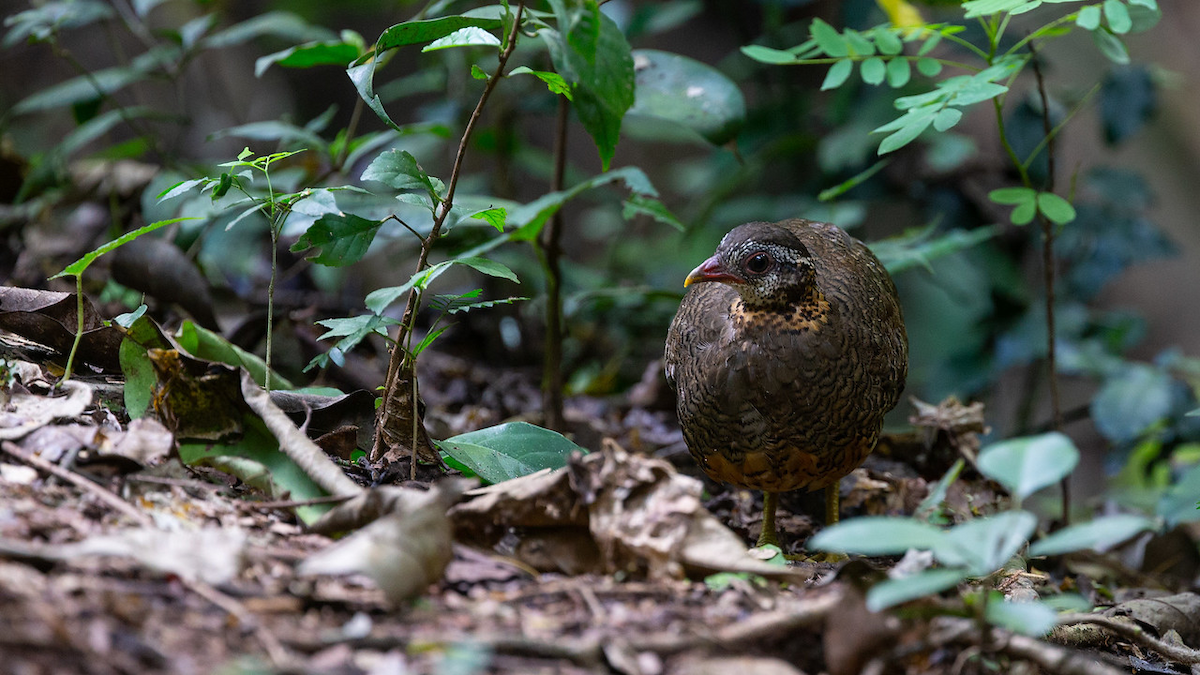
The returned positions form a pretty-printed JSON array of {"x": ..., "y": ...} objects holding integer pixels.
[
  {"x": 399, "y": 353},
  {"x": 552, "y": 375},
  {"x": 274, "y": 267},
  {"x": 1048, "y": 272},
  {"x": 78, "y": 329}
]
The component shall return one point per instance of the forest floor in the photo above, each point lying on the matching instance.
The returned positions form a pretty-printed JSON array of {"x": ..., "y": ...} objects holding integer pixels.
[{"x": 117, "y": 558}]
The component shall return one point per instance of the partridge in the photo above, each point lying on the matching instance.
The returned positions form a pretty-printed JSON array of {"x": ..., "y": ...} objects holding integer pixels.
[{"x": 787, "y": 350}]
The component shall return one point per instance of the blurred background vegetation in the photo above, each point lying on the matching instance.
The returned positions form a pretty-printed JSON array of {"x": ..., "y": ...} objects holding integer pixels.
[{"x": 182, "y": 95}]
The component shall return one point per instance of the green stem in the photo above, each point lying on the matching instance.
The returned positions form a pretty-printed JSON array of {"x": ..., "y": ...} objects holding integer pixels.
[
  {"x": 78, "y": 329},
  {"x": 274, "y": 269}
]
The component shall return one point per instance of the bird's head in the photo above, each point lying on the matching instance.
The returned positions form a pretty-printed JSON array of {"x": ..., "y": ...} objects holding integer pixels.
[{"x": 767, "y": 265}]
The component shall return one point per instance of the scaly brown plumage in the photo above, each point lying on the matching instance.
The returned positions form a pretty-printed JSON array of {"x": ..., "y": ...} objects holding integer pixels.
[{"x": 785, "y": 366}]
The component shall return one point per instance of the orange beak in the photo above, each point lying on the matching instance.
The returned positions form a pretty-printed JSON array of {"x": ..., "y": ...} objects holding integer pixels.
[{"x": 711, "y": 270}]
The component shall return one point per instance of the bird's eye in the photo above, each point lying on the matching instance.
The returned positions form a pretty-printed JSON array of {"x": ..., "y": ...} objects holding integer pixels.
[{"x": 758, "y": 263}]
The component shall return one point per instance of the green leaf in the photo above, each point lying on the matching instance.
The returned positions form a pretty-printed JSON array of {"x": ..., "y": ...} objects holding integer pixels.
[
  {"x": 77, "y": 268},
  {"x": 828, "y": 39},
  {"x": 470, "y": 36},
  {"x": 852, "y": 182},
  {"x": 774, "y": 57},
  {"x": 530, "y": 218},
  {"x": 256, "y": 459},
  {"x": 1055, "y": 208},
  {"x": 1111, "y": 46},
  {"x": 977, "y": 8},
  {"x": 285, "y": 25},
  {"x": 554, "y": 82},
  {"x": 859, "y": 45},
  {"x": 1013, "y": 195},
  {"x": 917, "y": 247},
  {"x": 929, "y": 67},
  {"x": 343, "y": 238},
  {"x": 838, "y": 73},
  {"x": 1023, "y": 214},
  {"x": 898, "y": 591},
  {"x": 689, "y": 93},
  {"x": 508, "y": 451},
  {"x": 205, "y": 344},
  {"x": 494, "y": 216},
  {"x": 905, "y": 135},
  {"x": 1118, "y": 16},
  {"x": 984, "y": 545},
  {"x": 1131, "y": 401},
  {"x": 947, "y": 118},
  {"x": 1179, "y": 504},
  {"x": 362, "y": 76},
  {"x": 140, "y": 377},
  {"x": 873, "y": 70},
  {"x": 378, "y": 300},
  {"x": 1025, "y": 465},
  {"x": 888, "y": 41},
  {"x": 603, "y": 82},
  {"x": 1099, "y": 535},
  {"x": 428, "y": 30},
  {"x": 1027, "y": 618},
  {"x": 41, "y": 22},
  {"x": 877, "y": 535},
  {"x": 97, "y": 84},
  {"x": 1088, "y": 17},
  {"x": 638, "y": 204},
  {"x": 400, "y": 170},
  {"x": 330, "y": 53},
  {"x": 899, "y": 72}
]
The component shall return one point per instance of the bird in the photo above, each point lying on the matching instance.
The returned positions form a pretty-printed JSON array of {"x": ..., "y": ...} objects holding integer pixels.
[{"x": 786, "y": 351}]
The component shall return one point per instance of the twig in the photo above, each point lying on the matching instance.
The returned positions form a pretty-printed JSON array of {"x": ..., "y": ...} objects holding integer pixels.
[
  {"x": 1050, "y": 657},
  {"x": 279, "y": 655},
  {"x": 1048, "y": 274},
  {"x": 1134, "y": 633},
  {"x": 100, "y": 492},
  {"x": 399, "y": 354},
  {"x": 552, "y": 376}
]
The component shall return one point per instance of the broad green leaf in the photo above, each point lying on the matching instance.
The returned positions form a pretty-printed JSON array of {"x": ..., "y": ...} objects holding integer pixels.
[
  {"x": 285, "y": 25},
  {"x": 97, "y": 84},
  {"x": 428, "y": 30},
  {"x": 1111, "y": 46},
  {"x": 362, "y": 76},
  {"x": 1099, "y": 535},
  {"x": 1025, "y": 465},
  {"x": 767, "y": 55},
  {"x": 828, "y": 39},
  {"x": 205, "y": 344},
  {"x": 41, "y": 22},
  {"x": 488, "y": 267},
  {"x": 554, "y": 82},
  {"x": 508, "y": 451},
  {"x": 905, "y": 135},
  {"x": 1179, "y": 504},
  {"x": 1088, "y": 17},
  {"x": 929, "y": 67},
  {"x": 860, "y": 46},
  {"x": 1132, "y": 400},
  {"x": 838, "y": 73},
  {"x": 470, "y": 36},
  {"x": 1034, "y": 618},
  {"x": 983, "y": 545},
  {"x": 978, "y": 91},
  {"x": 1055, "y": 208},
  {"x": 1023, "y": 214},
  {"x": 899, "y": 72},
  {"x": 530, "y": 218},
  {"x": 873, "y": 70},
  {"x": 256, "y": 459},
  {"x": 947, "y": 118},
  {"x": 400, "y": 170},
  {"x": 1013, "y": 195},
  {"x": 140, "y": 377},
  {"x": 977, "y": 8},
  {"x": 342, "y": 238},
  {"x": 888, "y": 42},
  {"x": 330, "y": 53},
  {"x": 689, "y": 93},
  {"x": 649, "y": 206},
  {"x": 898, "y": 591},
  {"x": 77, "y": 268},
  {"x": 1118, "y": 16},
  {"x": 877, "y": 535},
  {"x": 603, "y": 82},
  {"x": 272, "y": 130},
  {"x": 494, "y": 216}
]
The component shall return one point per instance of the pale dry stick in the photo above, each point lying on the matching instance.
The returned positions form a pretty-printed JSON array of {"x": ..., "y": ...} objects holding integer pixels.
[
  {"x": 78, "y": 481},
  {"x": 1135, "y": 634},
  {"x": 279, "y": 655},
  {"x": 443, "y": 211}
]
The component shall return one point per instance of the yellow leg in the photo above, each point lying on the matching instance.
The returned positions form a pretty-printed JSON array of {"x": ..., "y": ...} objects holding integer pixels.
[
  {"x": 768, "y": 536},
  {"x": 831, "y": 504}
]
